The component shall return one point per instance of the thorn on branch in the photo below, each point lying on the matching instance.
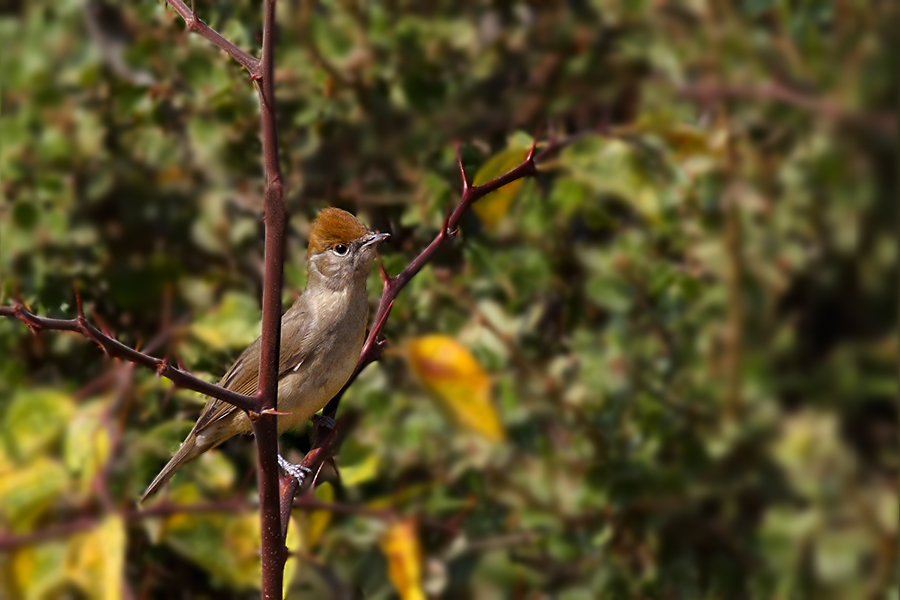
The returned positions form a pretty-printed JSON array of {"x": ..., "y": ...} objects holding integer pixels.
[
  {"x": 462, "y": 171},
  {"x": 273, "y": 412},
  {"x": 315, "y": 476},
  {"x": 161, "y": 368},
  {"x": 530, "y": 157}
]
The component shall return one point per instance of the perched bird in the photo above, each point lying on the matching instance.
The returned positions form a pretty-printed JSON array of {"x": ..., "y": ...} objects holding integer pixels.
[{"x": 321, "y": 337}]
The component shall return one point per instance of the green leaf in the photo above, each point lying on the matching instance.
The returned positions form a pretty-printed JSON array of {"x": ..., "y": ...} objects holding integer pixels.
[
  {"x": 234, "y": 324},
  {"x": 225, "y": 545},
  {"x": 87, "y": 445},
  {"x": 613, "y": 166},
  {"x": 35, "y": 419},
  {"x": 360, "y": 472}
]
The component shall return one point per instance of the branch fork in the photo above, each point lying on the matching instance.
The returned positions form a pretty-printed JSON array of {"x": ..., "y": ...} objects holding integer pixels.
[{"x": 276, "y": 492}]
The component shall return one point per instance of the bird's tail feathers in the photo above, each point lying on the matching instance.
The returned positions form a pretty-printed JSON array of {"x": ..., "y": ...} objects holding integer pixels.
[{"x": 189, "y": 449}]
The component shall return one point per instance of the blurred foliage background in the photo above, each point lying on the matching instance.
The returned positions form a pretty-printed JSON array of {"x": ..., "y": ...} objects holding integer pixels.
[{"x": 666, "y": 368}]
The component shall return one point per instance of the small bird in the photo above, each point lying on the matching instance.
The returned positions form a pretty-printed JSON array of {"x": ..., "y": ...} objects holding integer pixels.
[{"x": 321, "y": 337}]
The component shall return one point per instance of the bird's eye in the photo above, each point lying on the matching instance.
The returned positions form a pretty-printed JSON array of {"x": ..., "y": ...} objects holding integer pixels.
[{"x": 341, "y": 250}]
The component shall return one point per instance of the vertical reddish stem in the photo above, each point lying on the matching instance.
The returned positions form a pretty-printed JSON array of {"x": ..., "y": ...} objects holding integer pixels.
[{"x": 265, "y": 428}]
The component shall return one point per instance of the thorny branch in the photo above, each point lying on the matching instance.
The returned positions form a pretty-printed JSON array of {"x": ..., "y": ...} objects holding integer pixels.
[
  {"x": 392, "y": 286},
  {"x": 275, "y": 507},
  {"x": 262, "y": 70},
  {"x": 273, "y": 550},
  {"x": 117, "y": 349},
  {"x": 262, "y": 407},
  {"x": 193, "y": 24}
]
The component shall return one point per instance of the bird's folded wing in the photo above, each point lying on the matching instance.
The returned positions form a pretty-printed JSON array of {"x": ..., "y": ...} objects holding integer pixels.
[{"x": 243, "y": 376}]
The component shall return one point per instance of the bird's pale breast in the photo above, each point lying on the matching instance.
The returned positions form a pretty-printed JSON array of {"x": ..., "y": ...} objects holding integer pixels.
[{"x": 304, "y": 390}]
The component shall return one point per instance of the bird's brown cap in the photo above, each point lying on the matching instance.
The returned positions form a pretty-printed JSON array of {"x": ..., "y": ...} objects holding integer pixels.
[{"x": 334, "y": 226}]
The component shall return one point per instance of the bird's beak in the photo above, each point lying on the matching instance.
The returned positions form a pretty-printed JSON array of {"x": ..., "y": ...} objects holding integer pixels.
[{"x": 375, "y": 238}]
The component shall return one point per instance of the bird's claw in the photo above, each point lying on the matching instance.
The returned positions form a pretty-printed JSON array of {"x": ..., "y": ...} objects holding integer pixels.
[{"x": 298, "y": 472}]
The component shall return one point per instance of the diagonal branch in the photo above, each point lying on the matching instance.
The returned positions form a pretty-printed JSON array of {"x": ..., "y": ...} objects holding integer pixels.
[
  {"x": 193, "y": 23},
  {"x": 326, "y": 440},
  {"x": 392, "y": 286},
  {"x": 117, "y": 349},
  {"x": 263, "y": 405}
]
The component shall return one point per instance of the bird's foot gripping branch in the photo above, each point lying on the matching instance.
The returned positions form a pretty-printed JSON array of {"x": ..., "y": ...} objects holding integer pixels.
[
  {"x": 298, "y": 472},
  {"x": 248, "y": 396}
]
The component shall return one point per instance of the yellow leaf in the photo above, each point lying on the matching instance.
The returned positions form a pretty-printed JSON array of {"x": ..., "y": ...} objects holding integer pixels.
[
  {"x": 400, "y": 545},
  {"x": 493, "y": 207},
  {"x": 361, "y": 472},
  {"x": 453, "y": 376},
  {"x": 316, "y": 521},
  {"x": 7, "y": 463},
  {"x": 35, "y": 570},
  {"x": 293, "y": 544},
  {"x": 27, "y": 492},
  {"x": 96, "y": 559},
  {"x": 209, "y": 336}
]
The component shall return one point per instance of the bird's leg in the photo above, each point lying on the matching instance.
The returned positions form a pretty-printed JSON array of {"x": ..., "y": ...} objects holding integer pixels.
[
  {"x": 324, "y": 420},
  {"x": 298, "y": 472}
]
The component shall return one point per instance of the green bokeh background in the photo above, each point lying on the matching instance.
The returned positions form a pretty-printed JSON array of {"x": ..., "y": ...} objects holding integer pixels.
[{"x": 688, "y": 318}]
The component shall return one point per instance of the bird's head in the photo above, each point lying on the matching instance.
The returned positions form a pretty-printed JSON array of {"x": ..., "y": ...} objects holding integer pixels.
[{"x": 341, "y": 249}]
